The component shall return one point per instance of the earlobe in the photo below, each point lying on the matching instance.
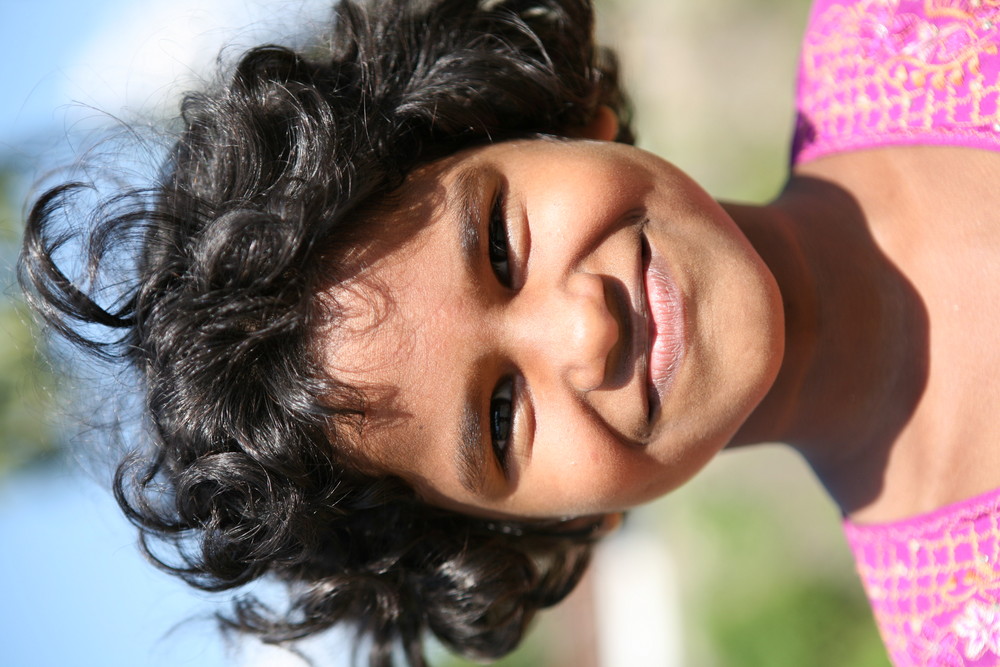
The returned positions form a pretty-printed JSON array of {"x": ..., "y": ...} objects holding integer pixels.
[{"x": 602, "y": 127}]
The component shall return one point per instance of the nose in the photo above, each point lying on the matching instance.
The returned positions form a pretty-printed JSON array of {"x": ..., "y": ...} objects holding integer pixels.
[{"x": 569, "y": 329}]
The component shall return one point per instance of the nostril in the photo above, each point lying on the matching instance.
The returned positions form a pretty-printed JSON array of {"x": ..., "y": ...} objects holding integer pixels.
[
  {"x": 595, "y": 336},
  {"x": 587, "y": 378}
]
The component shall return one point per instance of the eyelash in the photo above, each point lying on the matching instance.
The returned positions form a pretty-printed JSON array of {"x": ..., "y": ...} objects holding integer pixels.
[
  {"x": 501, "y": 418},
  {"x": 501, "y": 413},
  {"x": 499, "y": 240}
]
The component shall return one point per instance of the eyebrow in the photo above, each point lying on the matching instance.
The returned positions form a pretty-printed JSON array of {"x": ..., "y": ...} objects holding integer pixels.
[
  {"x": 470, "y": 458},
  {"x": 464, "y": 202}
]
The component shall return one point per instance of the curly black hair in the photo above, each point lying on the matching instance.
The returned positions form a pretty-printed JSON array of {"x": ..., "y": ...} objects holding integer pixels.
[{"x": 218, "y": 264}]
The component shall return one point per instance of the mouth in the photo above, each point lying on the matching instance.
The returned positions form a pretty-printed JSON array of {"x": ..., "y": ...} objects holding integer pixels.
[{"x": 665, "y": 322}]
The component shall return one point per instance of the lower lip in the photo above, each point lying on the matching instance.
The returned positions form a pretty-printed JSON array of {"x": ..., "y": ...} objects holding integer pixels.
[{"x": 666, "y": 326}]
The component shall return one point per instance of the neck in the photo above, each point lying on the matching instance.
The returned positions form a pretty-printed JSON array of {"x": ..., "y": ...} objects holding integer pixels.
[{"x": 856, "y": 339}]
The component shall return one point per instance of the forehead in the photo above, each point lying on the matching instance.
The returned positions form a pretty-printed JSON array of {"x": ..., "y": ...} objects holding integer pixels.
[
  {"x": 425, "y": 335},
  {"x": 400, "y": 314}
]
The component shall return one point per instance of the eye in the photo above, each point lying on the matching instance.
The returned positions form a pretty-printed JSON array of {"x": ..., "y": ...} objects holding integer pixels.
[
  {"x": 501, "y": 419},
  {"x": 499, "y": 246}
]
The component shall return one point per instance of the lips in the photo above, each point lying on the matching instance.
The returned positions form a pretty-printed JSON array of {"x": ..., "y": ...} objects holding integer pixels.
[{"x": 666, "y": 324}]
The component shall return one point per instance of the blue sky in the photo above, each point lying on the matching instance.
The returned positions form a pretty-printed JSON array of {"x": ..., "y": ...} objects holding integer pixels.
[
  {"x": 75, "y": 593},
  {"x": 122, "y": 54},
  {"x": 38, "y": 40},
  {"x": 74, "y": 590}
]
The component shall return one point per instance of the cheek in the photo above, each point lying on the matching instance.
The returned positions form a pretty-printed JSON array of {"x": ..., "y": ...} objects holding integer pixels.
[
  {"x": 585, "y": 208},
  {"x": 583, "y": 468}
]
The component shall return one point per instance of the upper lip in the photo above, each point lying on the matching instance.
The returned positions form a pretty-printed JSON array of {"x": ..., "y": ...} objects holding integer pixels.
[
  {"x": 641, "y": 325},
  {"x": 630, "y": 307}
]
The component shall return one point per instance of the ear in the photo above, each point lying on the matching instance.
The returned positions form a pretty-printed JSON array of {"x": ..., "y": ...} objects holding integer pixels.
[{"x": 602, "y": 127}]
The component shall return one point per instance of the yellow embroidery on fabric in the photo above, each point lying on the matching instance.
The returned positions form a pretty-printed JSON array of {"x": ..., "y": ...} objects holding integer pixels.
[{"x": 912, "y": 73}]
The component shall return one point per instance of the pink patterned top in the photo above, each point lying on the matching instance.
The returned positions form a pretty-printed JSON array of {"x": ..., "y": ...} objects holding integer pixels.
[
  {"x": 934, "y": 583},
  {"x": 892, "y": 72},
  {"x": 903, "y": 72}
]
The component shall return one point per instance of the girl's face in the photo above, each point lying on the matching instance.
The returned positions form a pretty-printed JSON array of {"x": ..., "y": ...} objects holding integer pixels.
[{"x": 575, "y": 328}]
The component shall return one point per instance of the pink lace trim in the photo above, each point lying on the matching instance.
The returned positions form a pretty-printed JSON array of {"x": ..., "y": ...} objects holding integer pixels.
[
  {"x": 934, "y": 583},
  {"x": 882, "y": 72}
]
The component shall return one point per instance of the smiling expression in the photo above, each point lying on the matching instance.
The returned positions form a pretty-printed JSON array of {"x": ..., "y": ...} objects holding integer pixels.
[{"x": 575, "y": 327}]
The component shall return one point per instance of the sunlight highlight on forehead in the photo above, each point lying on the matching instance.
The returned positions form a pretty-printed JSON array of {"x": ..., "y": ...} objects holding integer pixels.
[
  {"x": 369, "y": 338},
  {"x": 375, "y": 338}
]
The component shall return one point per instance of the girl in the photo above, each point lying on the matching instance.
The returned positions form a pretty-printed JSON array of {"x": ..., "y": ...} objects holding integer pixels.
[{"x": 412, "y": 331}]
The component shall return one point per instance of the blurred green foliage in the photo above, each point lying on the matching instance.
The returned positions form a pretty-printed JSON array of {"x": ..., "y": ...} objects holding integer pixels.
[
  {"x": 772, "y": 607},
  {"x": 27, "y": 434},
  {"x": 807, "y": 621}
]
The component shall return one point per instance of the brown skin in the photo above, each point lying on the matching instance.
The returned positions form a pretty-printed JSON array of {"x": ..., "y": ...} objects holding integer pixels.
[
  {"x": 888, "y": 262},
  {"x": 567, "y": 334}
]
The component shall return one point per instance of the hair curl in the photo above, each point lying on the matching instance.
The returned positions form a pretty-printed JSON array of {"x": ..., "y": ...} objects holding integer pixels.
[{"x": 255, "y": 209}]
